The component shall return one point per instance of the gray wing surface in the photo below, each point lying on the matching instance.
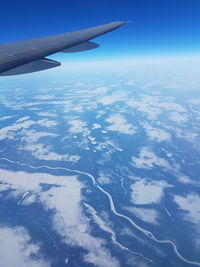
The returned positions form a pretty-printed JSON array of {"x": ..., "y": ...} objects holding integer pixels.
[{"x": 29, "y": 56}]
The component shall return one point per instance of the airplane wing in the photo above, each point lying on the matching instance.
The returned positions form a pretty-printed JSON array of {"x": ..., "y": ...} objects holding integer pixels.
[{"x": 30, "y": 56}]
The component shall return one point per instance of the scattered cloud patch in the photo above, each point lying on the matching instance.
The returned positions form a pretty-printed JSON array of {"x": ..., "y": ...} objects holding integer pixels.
[
  {"x": 189, "y": 136},
  {"x": 100, "y": 113},
  {"x": 153, "y": 106},
  {"x": 10, "y": 131},
  {"x": 119, "y": 124},
  {"x": 17, "y": 249},
  {"x": 43, "y": 152},
  {"x": 78, "y": 126},
  {"x": 32, "y": 136},
  {"x": 156, "y": 134},
  {"x": 96, "y": 126},
  {"x": 104, "y": 179},
  {"x": 69, "y": 220},
  {"x": 99, "y": 90},
  {"x": 147, "y": 159},
  {"x": 190, "y": 204},
  {"x": 147, "y": 215},
  {"x": 25, "y": 118},
  {"x": 194, "y": 101},
  {"x": 151, "y": 110},
  {"x": 177, "y": 117},
  {"x": 6, "y": 118},
  {"x": 171, "y": 106},
  {"x": 44, "y": 97},
  {"x": 182, "y": 178},
  {"x": 46, "y": 114},
  {"x": 131, "y": 82},
  {"x": 108, "y": 146},
  {"x": 145, "y": 191},
  {"x": 47, "y": 123},
  {"x": 111, "y": 99}
]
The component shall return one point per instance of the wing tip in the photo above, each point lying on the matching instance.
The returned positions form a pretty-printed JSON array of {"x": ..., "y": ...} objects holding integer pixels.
[
  {"x": 120, "y": 23},
  {"x": 117, "y": 24}
]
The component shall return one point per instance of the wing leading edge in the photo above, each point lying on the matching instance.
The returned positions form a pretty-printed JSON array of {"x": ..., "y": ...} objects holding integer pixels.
[{"x": 29, "y": 56}]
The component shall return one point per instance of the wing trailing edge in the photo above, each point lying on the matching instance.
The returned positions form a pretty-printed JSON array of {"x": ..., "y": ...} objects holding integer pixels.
[
  {"x": 37, "y": 65},
  {"x": 81, "y": 47}
]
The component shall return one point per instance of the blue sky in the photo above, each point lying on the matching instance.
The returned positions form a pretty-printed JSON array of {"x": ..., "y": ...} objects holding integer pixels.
[{"x": 159, "y": 27}]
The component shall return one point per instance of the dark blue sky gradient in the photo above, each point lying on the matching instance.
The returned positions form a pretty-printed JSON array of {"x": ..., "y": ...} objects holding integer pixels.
[{"x": 158, "y": 26}]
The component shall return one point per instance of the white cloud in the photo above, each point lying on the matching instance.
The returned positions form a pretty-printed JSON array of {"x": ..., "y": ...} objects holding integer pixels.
[
  {"x": 46, "y": 114},
  {"x": 96, "y": 126},
  {"x": 110, "y": 99},
  {"x": 182, "y": 178},
  {"x": 148, "y": 159},
  {"x": 43, "y": 152},
  {"x": 120, "y": 124},
  {"x": 191, "y": 204},
  {"x": 145, "y": 191},
  {"x": 65, "y": 198},
  {"x": 154, "y": 106},
  {"x": 149, "y": 108},
  {"x": 47, "y": 123},
  {"x": 23, "y": 124},
  {"x": 107, "y": 227},
  {"x": 104, "y": 179},
  {"x": 31, "y": 136},
  {"x": 31, "y": 104},
  {"x": 131, "y": 82},
  {"x": 147, "y": 215},
  {"x": 194, "y": 101},
  {"x": 171, "y": 106},
  {"x": 156, "y": 134},
  {"x": 177, "y": 117},
  {"x": 92, "y": 140},
  {"x": 78, "y": 126},
  {"x": 98, "y": 90},
  {"x": 25, "y": 118},
  {"x": 10, "y": 131},
  {"x": 17, "y": 249},
  {"x": 100, "y": 113},
  {"x": 44, "y": 97},
  {"x": 108, "y": 146},
  {"x": 189, "y": 136},
  {"x": 6, "y": 118}
]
